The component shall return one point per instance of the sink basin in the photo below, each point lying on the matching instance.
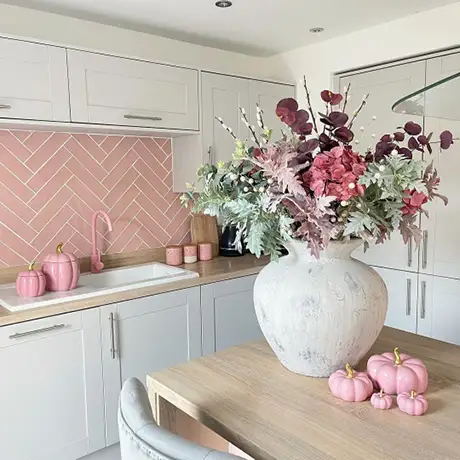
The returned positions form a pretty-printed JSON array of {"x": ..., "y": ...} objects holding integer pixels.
[{"x": 92, "y": 285}]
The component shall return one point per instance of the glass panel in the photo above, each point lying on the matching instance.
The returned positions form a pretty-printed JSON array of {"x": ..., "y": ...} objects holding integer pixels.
[{"x": 438, "y": 100}]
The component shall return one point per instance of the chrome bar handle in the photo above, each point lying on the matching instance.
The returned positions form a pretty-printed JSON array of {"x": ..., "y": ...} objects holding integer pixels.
[
  {"x": 210, "y": 154},
  {"x": 408, "y": 296},
  {"x": 142, "y": 117},
  {"x": 20, "y": 335},
  {"x": 423, "y": 306},
  {"x": 5, "y": 107},
  {"x": 409, "y": 253},
  {"x": 113, "y": 350},
  {"x": 425, "y": 250}
]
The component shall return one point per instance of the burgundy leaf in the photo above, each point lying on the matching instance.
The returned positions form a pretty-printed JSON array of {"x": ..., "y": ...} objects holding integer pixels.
[
  {"x": 423, "y": 139},
  {"x": 324, "y": 138},
  {"x": 406, "y": 152},
  {"x": 384, "y": 148},
  {"x": 369, "y": 158},
  {"x": 325, "y": 119},
  {"x": 336, "y": 99},
  {"x": 343, "y": 134},
  {"x": 398, "y": 136},
  {"x": 412, "y": 128},
  {"x": 413, "y": 144},
  {"x": 386, "y": 138},
  {"x": 429, "y": 148},
  {"x": 447, "y": 139},
  {"x": 285, "y": 115},
  {"x": 289, "y": 103},
  {"x": 308, "y": 146},
  {"x": 338, "y": 119},
  {"x": 326, "y": 95}
]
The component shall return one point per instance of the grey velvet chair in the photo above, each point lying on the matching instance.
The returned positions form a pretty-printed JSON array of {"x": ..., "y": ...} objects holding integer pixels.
[{"x": 142, "y": 439}]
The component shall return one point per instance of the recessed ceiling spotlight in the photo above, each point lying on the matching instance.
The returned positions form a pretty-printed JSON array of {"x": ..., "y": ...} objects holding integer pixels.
[
  {"x": 316, "y": 30},
  {"x": 224, "y": 4}
]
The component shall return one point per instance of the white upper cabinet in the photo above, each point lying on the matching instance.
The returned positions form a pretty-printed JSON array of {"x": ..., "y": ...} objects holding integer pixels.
[
  {"x": 267, "y": 95},
  {"x": 384, "y": 86},
  {"x": 127, "y": 92},
  {"x": 222, "y": 96},
  {"x": 441, "y": 254},
  {"x": 51, "y": 391},
  {"x": 33, "y": 81}
]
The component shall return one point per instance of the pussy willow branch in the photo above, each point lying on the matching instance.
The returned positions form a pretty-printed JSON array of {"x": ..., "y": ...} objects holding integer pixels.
[
  {"x": 251, "y": 128},
  {"x": 347, "y": 90},
  {"x": 310, "y": 108},
  {"x": 357, "y": 111},
  {"x": 227, "y": 128}
]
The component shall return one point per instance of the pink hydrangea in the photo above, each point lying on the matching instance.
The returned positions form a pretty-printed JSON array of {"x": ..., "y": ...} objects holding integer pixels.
[
  {"x": 336, "y": 173},
  {"x": 413, "y": 202}
]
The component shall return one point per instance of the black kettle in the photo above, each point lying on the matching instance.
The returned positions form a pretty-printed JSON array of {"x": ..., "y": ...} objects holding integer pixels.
[{"x": 228, "y": 242}]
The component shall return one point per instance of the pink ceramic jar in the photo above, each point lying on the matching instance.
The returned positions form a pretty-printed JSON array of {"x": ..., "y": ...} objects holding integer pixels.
[
  {"x": 31, "y": 283},
  {"x": 61, "y": 270},
  {"x": 174, "y": 255},
  {"x": 190, "y": 253},
  {"x": 205, "y": 251}
]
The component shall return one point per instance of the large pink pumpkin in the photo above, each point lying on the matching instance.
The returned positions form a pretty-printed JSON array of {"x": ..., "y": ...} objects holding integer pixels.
[
  {"x": 350, "y": 385},
  {"x": 412, "y": 403},
  {"x": 397, "y": 373},
  {"x": 62, "y": 270},
  {"x": 31, "y": 283}
]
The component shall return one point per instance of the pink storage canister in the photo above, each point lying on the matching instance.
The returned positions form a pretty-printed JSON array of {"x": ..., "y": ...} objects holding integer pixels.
[
  {"x": 205, "y": 251},
  {"x": 174, "y": 255},
  {"x": 190, "y": 253}
]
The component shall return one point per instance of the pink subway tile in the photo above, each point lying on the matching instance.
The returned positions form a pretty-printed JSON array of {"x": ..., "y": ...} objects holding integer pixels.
[
  {"x": 15, "y": 204},
  {"x": 11, "y": 182},
  {"x": 36, "y": 140},
  {"x": 151, "y": 177},
  {"x": 87, "y": 160},
  {"x": 48, "y": 170},
  {"x": 167, "y": 164},
  {"x": 132, "y": 244},
  {"x": 118, "y": 153},
  {"x": 98, "y": 138},
  {"x": 86, "y": 176},
  {"x": 151, "y": 161},
  {"x": 117, "y": 192},
  {"x": 150, "y": 241},
  {"x": 152, "y": 210},
  {"x": 64, "y": 235},
  {"x": 154, "y": 148},
  {"x": 180, "y": 217},
  {"x": 52, "y": 146},
  {"x": 110, "y": 143},
  {"x": 16, "y": 225},
  {"x": 14, "y": 145},
  {"x": 53, "y": 226},
  {"x": 125, "y": 200},
  {"x": 14, "y": 165},
  {"x": 153, "y": 227},
  {"x": 14, "y": 250},
  {"x": 180, "y": 231},
  {"x": 119, "y": 170},
  {"x": 143, "y": 185},
  {"x": 90, "y": 146},
  {"x": 20, "y": 135},
  {"x": 80, "y": 189}
]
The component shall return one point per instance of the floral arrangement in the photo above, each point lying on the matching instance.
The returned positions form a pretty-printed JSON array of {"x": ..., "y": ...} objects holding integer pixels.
[{"x": 313, "y": 185}]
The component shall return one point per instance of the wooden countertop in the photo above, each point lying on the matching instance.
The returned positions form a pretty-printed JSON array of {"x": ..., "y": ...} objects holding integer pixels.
[
  {"x": 218, "y": 269},
  {"x": 248, "y": 398}
]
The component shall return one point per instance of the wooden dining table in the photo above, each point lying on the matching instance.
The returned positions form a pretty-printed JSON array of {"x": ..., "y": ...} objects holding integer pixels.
[{"x": 244, "y": 397}]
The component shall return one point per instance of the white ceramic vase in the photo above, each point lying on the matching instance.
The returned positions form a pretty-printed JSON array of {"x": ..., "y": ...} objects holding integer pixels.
[{"x": 319, "y": 314}]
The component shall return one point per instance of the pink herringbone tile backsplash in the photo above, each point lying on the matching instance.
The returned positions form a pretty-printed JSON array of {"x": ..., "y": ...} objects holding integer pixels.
[{"x": 51, "y": 183}]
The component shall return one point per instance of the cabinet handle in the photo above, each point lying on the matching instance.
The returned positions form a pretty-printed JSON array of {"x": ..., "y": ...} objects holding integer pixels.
[
  {"x": 142, "y": 117},
  {"x": 5, "y": 107},
  {"x": 20, "y": 335},
  {"x": 408, "y": 296},
  {"x": 425, "y": 250},
  {"x": 423, "y": 308},
  {"x": 409, "y": 253},
  {"x": 113, "y": 350},
  {"x": 210, "y": 154}
]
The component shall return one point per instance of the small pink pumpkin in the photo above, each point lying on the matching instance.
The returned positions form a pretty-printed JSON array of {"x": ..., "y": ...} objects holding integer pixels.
[
  {"x": 397, "y": 373},
  {"x": 350, "y": 385},
  {"x": 381, "y": 401},
  {"x": 412, "y": 403},
  {"x": 31, "y": 283},
  {"x": 61, "y": 270}
]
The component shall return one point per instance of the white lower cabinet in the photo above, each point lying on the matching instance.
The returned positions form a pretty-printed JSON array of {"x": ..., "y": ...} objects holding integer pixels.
[
  {"x": 145, "y": 335},
  {"x": 228, "y": 314},
  {"x": 51, "y": 395}
]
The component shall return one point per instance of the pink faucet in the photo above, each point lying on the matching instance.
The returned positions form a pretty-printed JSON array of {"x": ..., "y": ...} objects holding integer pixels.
[{"x": 96, "y": 264}]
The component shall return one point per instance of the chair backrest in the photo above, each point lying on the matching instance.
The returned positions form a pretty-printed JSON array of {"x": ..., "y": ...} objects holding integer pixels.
[{"x": 142, "y": 439}]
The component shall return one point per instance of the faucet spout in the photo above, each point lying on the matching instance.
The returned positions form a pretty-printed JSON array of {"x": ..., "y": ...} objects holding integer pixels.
[{"x": 96, "y": 264}]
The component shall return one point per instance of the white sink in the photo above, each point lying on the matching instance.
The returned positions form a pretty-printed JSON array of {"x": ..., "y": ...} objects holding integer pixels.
[{"x": 106, "y": 282}]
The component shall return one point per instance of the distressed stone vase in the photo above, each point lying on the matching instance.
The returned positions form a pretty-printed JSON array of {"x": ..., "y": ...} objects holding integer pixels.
[{"x": 319, "y": 314}]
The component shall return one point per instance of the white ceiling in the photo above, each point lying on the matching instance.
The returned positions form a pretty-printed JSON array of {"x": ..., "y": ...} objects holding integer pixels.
[{"x": 258, "y": 27}]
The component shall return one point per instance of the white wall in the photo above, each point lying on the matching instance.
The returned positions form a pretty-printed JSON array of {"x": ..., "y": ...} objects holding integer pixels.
[
  {"x": 22, "y": 22},
  {"x": 428, "y": 31}
]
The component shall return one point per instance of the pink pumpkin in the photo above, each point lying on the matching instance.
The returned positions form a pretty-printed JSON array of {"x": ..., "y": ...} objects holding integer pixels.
[
  {"x": 350, "y": 385},
  {"x": 397, "y": 372},
  {"x": 412, "y": 403},
  {"x": 31, "y": 283},
  {"x": 381, "y": 400},
  {"x": 61, "y": 270}
]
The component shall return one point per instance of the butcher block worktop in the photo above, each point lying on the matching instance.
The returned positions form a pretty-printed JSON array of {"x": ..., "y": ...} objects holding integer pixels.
[
  {"x": 244, "y": 395},
  {"x": 218, "y": 269}
]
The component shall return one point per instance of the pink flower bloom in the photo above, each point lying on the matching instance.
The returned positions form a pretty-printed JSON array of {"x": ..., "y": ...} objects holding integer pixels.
[
  {"x": 337, "y": 171},
  {"x": 317, "y": 186},
  {"x": 414, "y": 202},
  {"x": 321, "y": 161},
  {"x": 333, "y": 189},
  {"x": 336, "y": 152}
]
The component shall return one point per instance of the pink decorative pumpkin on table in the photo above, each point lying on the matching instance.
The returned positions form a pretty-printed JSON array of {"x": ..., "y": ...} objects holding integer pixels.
[
  {"x": 397, "y": 373},
  {"x": 350, "y": 385},
  {"x": 31, "y": 283},
  {"x": 381, "y": 401},
  {"x": 412, "y": 403},
  {"x": 61, "y": 270}
]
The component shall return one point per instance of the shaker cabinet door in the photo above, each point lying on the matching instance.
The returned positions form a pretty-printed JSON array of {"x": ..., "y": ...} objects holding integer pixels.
[
  {"x": 33, "y": 81},
  {"x": 127, "y": 92},
  {"x": 51, "y": 391},
  {"x": 402, "y": 298},
  {"x": 228, "y": 314},
  {"x": 222, "y": 96},
  {"x": 384, "y": 87},
  {"x": 146, "y": 335}
]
